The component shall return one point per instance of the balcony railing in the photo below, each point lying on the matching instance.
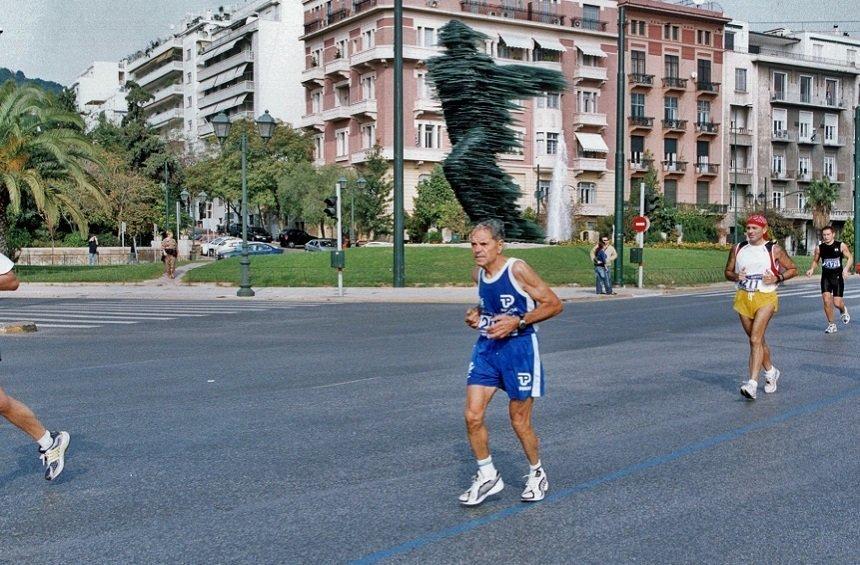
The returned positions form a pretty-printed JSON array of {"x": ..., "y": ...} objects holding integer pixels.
[
  {"x": 584, "y": 72},
  {"x": 803, "y": 99},
  {"x": 640, "y": 163},
  {"x": 803, "y": 175},
  {"x": 708, "y": 169},
  {"x": 780, "y": 135},
  {"x": 640, "y": 79},
  {"x": 585, "y": 23},
  {"x": 675, "y": 83},
  {"x": 707, "y": 86},
  {"x": 641, "y": 122},
  {"x": 674, "y": 167},
  {"x": 812, "y": 139},
  {"x": 779, "y": 174},
  {"x": 675, "y": 125},
  {"x": 530, "y": 13},
  {"x": 834, "y": 141},
  {"x": 707, "y": 128},
  {"x": 739, "y": 171}
]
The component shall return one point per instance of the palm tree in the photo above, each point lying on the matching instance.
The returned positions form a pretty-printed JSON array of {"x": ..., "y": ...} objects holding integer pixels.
[
  {"x": 820, "y": 197},
  {"x": 43, "y": 152}
]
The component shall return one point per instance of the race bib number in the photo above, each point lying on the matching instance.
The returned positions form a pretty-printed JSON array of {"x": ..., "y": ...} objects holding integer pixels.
[
  {"x": 833, "y": 263},
  {"x": 750, "y": 283}
]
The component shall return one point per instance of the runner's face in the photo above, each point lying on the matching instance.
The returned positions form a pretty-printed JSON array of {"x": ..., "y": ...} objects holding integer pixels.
[
  {"x": 827, "y": 236},
  {"x": 485, "y": 249},
  {"x": 754, "y": 233}
]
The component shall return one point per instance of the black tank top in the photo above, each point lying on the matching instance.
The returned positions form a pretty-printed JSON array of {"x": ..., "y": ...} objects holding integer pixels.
[{"x": 831, "y": 256}]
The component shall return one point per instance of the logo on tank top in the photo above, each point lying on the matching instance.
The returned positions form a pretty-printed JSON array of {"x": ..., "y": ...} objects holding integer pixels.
[{"x": 507, "y": 300}]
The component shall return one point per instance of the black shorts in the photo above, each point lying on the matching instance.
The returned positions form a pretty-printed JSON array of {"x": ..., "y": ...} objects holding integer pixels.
[{"x": 833, "y": 283}]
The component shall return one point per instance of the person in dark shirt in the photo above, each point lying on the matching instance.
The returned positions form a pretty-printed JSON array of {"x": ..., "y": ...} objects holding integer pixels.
[{"x": 830, "y": 254}]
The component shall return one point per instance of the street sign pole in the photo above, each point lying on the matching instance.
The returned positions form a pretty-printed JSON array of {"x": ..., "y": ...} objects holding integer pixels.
[
  {"x": 640, "y": 237},
  {"x": 339, "y": 241}
]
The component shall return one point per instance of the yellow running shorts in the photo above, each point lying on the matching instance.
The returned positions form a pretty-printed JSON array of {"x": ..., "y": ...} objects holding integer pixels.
[{"x": 748, "y": 303}]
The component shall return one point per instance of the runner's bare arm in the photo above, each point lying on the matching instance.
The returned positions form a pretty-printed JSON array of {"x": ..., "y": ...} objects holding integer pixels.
[
  {"x": 9, "y": 281},
  {"x": 730, "y": 273},
  {"x": 849, "y": 260},
  {"x": 548, "y": 304},
  {"x": 814, "y": 264},
  {"x": 473, "y": 314},
  {"x": 789, "y": 268}
]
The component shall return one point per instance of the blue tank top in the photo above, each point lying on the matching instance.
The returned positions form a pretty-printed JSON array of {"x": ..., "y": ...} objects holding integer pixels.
[{"x": 502, "y": 294}]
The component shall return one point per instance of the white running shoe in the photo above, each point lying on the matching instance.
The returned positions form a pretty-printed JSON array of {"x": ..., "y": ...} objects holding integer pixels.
[
  {"x": 481, "y": 488},
  {"x": 536, "y": 486},
  {"x": 770, "y": 381},
  {"x": 846, "y": 317},
  {"x": 831, "y": 329},
  {"x": 749, "y": 389},
  {"x": 54, "y": 458}
]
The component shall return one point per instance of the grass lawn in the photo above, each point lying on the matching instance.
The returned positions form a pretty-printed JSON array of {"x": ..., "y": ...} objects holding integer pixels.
[
  {"x": 83, "y": 273},
  {"x": 451, "y": 266}
]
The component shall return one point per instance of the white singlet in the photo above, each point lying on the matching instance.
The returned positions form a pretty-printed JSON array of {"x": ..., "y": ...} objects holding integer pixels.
[{"x": 757, "y": 261}]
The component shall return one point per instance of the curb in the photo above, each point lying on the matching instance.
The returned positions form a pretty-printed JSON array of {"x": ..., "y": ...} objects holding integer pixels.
[{"x": 17, "y": 327}]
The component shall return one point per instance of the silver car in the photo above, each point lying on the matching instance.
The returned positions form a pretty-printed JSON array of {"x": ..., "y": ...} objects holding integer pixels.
[{"x": 321, "y": 245}]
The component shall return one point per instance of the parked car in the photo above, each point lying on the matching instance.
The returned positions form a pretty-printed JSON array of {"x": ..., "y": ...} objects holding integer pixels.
[
  {"x": 255, "y": 233},
  {"x": 208, "y": 248},
  {"x": 320, "y": 245},
  {"x": 229, "y": 245},
  {"x": 294, "y": 238},
  {"x": 377, "y": 244},
  {"x": 255, "y": 248}
]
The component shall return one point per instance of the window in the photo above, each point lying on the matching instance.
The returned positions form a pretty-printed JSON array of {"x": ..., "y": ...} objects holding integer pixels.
[
  {"x": 801, "y": 200},
  {"x": 368, "y": 87},
  {"x": 806, "y": 89},
  {"x": 703, "y": 115},
  {"x": 740, "y": 80},
  {"x": 703, "y": 37},
  {"x": 637, "y": 27},
  {"x": 520, "y": 136},
  {"x": 342, "y": 142},
  {"x": 187, "y": 101},
  {"x": 637, "y": 148},
  {"x": 831, "y": 127},
  {"x": 703, "y": 154},
  {"x": 670, "y": 107},
  {"x": 851, "y": 57},
  {"x": 803, "y": 163},
  {"x": 316, "y": 101},
  {"x": 670, "y": 191},
  {"x": 587, "y": 193},
  {"x": 590, "y": 16},
  {"x": 553, "y": 100},
  {"x": 779, "y": 84},
  {"x": 540, "y": 143},
  {"x": 187, "y": 78},
  {"x": 316, "y": 57},
  {"x": 587, "y": 101},
  {"x": 805, "y": 129},
  {"x": 830, "y": 167},
  {"x": 551, "y": 143},
  {"x": 703, "y": 68},
  {"x": 670, "y": 150},
  {"x": 368, "y": 136},
  {"x": 429, "y": 135},
  {"x": 341, "y": 95},
  {"x": 188, "y": 54},
  {"x": 637, "y": 105},
  {"x": 671, "y": 66},
  {"x": 318, "y": 147},
  {"x": 341, "y": 49},
  {"x": 778, "y": 165},
  {"x": 426, "y": 36},
  {"x": 780, "y": 118},
  {"x": 831, "y": 92},
  {"x": 515, "y": 53},
  {"x": 637, "y": 62},
  {"x": 730, "y": 41},
  {"x": 702, "y": 196},
  {"x": 590, "y": 60},
  {"x": 776, "y": 199},
  {"x": 368, "y": 39},
  {"x": 671, "y": 32}
]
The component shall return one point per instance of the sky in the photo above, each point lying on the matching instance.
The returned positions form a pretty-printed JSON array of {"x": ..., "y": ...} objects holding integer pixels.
[{"x": 58, "y": 39}]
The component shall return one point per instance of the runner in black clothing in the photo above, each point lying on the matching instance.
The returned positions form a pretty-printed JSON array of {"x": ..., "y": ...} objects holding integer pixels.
[{"x": 833, "y": 274}]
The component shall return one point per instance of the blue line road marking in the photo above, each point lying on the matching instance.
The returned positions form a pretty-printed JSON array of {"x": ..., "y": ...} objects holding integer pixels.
[{"x": 645, "y": 465}]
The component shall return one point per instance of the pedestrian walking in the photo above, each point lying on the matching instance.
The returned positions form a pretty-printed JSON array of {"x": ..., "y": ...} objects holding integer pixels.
[
  {"x": 168, "y": 254},
  {"x": 758, "y": 266},
  {"x": 513, "y": 299},
  {"x": 830, "y": 254},
  {"x": 52, "y": 445},
  {"x": 602, "y": 256},
  {"x": 93, "y": 243}
]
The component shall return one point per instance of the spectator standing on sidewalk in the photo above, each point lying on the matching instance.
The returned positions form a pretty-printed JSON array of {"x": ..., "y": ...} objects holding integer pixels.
[
  {"x": 602, "y": 255},
  {"x": 93, "y": 243},
  {"x": 168, "y": 254}
]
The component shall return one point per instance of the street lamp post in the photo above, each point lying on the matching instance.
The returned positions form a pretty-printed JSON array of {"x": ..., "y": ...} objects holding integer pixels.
[
  {"x": 362, "y": 183},
  {"x": 266, "y": 125}
]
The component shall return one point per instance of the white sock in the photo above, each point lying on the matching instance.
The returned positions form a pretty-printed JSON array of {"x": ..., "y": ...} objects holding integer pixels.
[
  {"x": 45, "y": 441},
  {"x": 535, "y": 467},
  {"x": 770, "y": 372},
  {"x": 486, "y": 468}
]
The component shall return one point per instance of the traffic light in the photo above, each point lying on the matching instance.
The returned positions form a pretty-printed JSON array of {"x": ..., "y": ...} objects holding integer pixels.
[{"x": 331, "y": 207}]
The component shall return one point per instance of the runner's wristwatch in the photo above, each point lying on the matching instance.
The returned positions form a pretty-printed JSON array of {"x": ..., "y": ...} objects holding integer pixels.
[{"x": 522, "y": 324}]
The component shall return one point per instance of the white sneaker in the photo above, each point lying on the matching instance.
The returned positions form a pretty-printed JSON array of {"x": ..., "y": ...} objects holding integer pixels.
[
  {"x": 831, "y": 329},
  {"x": 846, "y": 317},
  {"x": 770, "y": 381},
  {"x": 481, "y": 488},
  {"x": 54, "y": 458},
  {"x": 749, "y": 389},
  {"x": 536, "y": 486}
]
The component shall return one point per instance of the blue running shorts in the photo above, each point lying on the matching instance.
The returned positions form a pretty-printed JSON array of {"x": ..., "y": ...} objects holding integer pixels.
[{"x": 512, "y": 364}]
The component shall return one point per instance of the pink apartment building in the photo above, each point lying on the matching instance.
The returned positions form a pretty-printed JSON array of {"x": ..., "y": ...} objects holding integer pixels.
[
  {"x": 349, "y": 77},
  {"x": 674, "y": 62}
]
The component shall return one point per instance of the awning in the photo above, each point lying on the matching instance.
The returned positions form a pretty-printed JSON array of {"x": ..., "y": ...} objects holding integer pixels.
[
  {"x": 592, "y": 142},
  {"x": 224, "y": 77},
  {"x": 517, "y": 41},
  {"x": 220, "y": 49},
  {"x": 592, "y": 50},
  {"x": 223, "y": 105},
  {"x": 551, "y": 44}
]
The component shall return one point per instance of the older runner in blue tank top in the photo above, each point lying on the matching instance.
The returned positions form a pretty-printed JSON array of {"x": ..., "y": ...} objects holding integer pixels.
[{"x": 513, "y": 298}]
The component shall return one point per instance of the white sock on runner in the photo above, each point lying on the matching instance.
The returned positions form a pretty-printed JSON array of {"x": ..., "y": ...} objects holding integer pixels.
[
  {"x": 486, "y": 468},
  {"x": 770, "y": 372},
  {"x": 45, "y": 441},
  {"x": 535, "y": 467}
]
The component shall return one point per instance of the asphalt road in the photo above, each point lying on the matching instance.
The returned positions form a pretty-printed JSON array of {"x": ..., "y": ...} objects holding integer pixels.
[{"x": 333, "y": 433}]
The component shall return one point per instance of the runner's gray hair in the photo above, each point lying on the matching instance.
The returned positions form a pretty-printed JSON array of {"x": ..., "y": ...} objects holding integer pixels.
[{"x": 495, "y": 227}]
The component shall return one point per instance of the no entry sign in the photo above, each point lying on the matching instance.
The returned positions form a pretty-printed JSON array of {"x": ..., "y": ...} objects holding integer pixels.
[{"x": 641, "y": 224}]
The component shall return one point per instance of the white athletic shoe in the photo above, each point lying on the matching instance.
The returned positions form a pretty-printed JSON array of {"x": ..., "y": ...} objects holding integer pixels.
[
  {"x": 846, "y": 317},
  {"x": 481, "y": 488},
  {"x": 831, "y": 329},
  {"x": 749, "y": 389},
  {"x": 54, "y": 458},
  {"x": 536, "y": 486},
  {"x": 770, "y": 381}
]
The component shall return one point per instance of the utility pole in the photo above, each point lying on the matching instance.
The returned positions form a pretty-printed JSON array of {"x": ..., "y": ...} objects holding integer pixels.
[
  {"x": 856, "y": 189},
  {"x": 620, "y": 84},
  {"x": 399, "y": 224},
  {"x": 166, "y": 199}
]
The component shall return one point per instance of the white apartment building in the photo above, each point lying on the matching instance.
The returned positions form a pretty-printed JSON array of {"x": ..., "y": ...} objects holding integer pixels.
[{"x": 98, "y": 90}]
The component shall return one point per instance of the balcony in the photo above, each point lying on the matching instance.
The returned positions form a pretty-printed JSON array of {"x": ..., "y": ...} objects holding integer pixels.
[
  {"x": 362, "y": 6},
  {"x": 535, "y": 12},
  {"x": 163, "y": 94},
  {"x": 639, "y": 79},
  {"x": 159, "y": 73},
  {"x": 707, "y": 87},
  {"x": 583, "y": 72},
  {"x": 803, "y": 175},
  {"x": 233, "y": 90},
  {"x": 339, "y": 67},
  {"x": 588, "y": 119},
  {"x": 674, "y": 83},
  {"x": 584, "y": 23},
  {"x": 780, "y": 174},
  {"x": 707, "y": 169},
  {"x": 740, "y": 136},
  {"x": 245, "y": 56},
  {"x": 812, "y": 139},
  {"x": 740, "y": 175},
  {"x": 707, "y": 128},
  {"x": 314, "y": 121},
  {"x": 794, "y": 98},
  {"x": 640, "y": 122},
  {"x": 640, "y": 164},
  {"x": 343, "y": 112},
  {"x": 674, "y": 167},
  {"x": 675, "y": 125},
  {"x": 364, "y": 107},
  {"x": 313, "y": 76},
  {"x": 589, "y": 164},
  {"x": 164, "y": 118},
  {"x": 780, "y": 135},
  {"x": 834, "y": 141}
]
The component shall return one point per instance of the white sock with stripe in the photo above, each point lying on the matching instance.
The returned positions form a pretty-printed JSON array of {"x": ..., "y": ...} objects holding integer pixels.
[{"x": 486, "y": 468}]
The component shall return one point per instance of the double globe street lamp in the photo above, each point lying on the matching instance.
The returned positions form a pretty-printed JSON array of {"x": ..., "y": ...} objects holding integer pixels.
[{"x": 266, "y": 127}]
